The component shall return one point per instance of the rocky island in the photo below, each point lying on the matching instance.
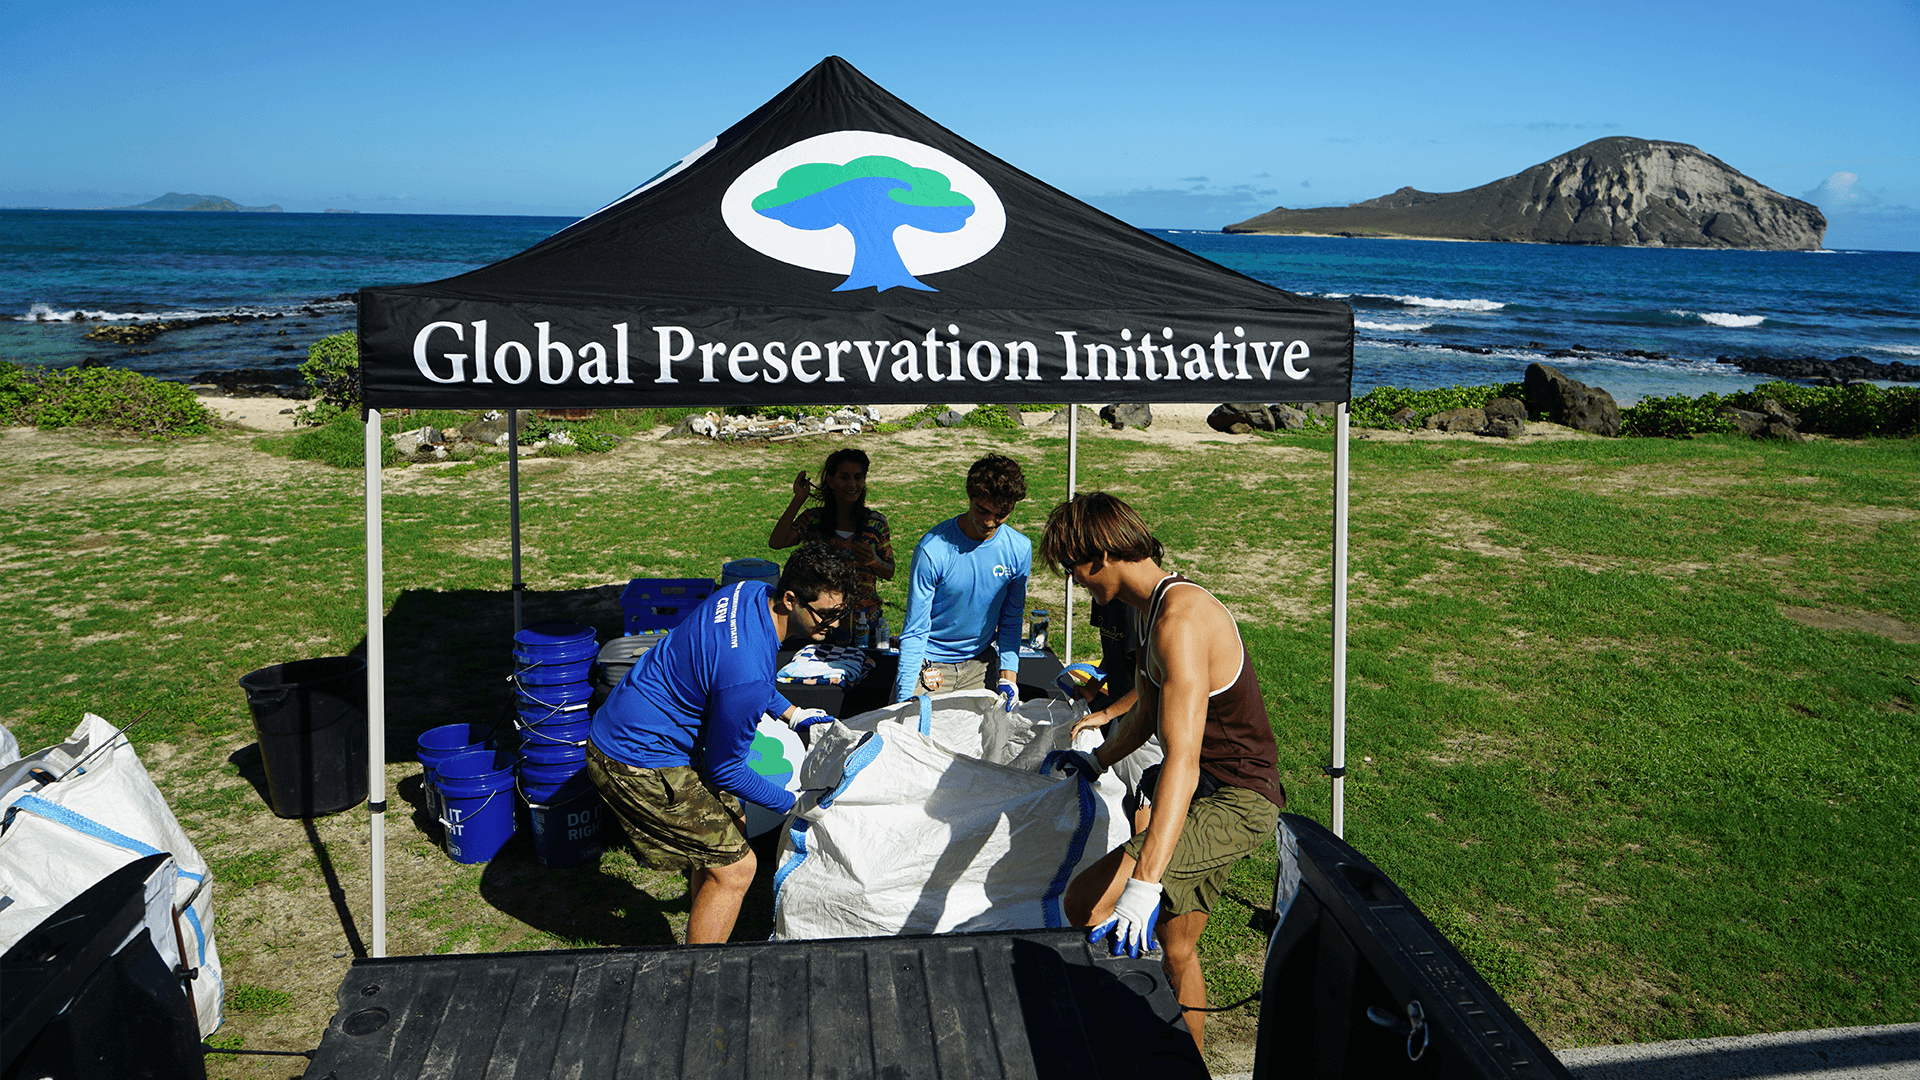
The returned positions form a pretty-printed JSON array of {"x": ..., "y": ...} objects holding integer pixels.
[
  {"x": 173, "y": 200},
  {"x": 1619, "y": 191}
]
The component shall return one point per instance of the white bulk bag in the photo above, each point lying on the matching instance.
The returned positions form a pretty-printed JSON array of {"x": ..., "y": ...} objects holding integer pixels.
[
  {"x": 58, "y": 839},
  {"x": 902, "y": 830}
]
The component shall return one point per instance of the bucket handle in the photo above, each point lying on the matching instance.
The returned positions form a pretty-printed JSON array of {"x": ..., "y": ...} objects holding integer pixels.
[
  {"x": 488, "y": 801},
  {"x": 537, "y": 733}
]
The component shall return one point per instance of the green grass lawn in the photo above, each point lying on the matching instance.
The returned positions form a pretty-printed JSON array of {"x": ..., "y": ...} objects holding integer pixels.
[{"x": 1633, "y": 720}]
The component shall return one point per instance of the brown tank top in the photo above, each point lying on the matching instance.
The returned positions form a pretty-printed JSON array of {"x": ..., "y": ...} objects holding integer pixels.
[{"x": 1236, "y": 744}]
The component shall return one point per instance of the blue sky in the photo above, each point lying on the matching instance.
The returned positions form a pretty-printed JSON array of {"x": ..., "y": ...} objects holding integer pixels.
[{"x": 1178, "y": 115}]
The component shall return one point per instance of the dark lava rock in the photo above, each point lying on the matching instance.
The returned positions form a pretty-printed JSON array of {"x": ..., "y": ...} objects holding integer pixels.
[
  {"x": 1128, "y": 414},
  {"x": 1570, "y": 402}
]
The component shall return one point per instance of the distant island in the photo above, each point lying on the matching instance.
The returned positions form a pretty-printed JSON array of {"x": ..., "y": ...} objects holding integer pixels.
[
  {"x": 173, "y": 200},
  {"x": 1618, "y": 191}
]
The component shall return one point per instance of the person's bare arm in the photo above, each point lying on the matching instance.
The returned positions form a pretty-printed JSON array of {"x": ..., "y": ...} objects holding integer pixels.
[
  {"x": 1115, "y": 710},
  {"x": 784, "y": 534},
  {"x": 1183, "y": 643}
]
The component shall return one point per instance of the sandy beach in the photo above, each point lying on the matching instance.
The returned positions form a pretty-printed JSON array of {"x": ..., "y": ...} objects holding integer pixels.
[{"x": 1174, "y": 424}]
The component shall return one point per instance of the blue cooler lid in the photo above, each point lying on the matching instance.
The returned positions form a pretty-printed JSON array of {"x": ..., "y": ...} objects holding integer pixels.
[
  {"x": 553, "y": 632},
  {"x": 749, "y": 570}
]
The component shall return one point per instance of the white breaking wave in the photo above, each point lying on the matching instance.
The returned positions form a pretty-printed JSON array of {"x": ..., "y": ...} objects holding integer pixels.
[
  {"x": 1900, "y": 350},
  {"x": 1449, "y": 305},
  {"x": 1392, "y": 327},
  {"x": 1723, "y": 318},
  {"x": 45, "y": 313}
]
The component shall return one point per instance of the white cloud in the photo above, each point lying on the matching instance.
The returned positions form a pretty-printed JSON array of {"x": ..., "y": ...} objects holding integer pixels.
[{"x": 1840, "y": 192}]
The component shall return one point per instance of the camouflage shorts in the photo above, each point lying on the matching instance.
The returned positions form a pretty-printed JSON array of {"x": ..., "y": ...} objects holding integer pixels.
[
  {"x": 1221, "y": 829},
  {"x": 673, "y": 817}
]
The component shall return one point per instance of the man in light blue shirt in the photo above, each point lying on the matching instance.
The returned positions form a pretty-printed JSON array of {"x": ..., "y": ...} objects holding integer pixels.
[{"x": 967, "y": 592}]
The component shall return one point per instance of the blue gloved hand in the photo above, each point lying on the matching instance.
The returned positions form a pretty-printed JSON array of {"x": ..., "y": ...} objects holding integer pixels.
[
  {"x": 1009, "y": 695},
  {"x": 1072, "y": 763},
  {"x": 802, "y": 719},
  {"x": 1131, "y": 923}
]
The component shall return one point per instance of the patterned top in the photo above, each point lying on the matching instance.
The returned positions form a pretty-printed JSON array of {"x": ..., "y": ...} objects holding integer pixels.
[{"x": 865, "y": 604}]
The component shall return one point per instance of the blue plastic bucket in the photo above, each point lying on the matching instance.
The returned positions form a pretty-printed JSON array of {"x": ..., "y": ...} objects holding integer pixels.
[
  {"x": 545, "y": 735},
  {"x": 535, "y": 712},
  {"x": 750, "y": 570},
  {"x": 553, "y": 652},
  {"x": 567, "y": 832},
  {"x": 437, "y": 744},
  {"x": 551, "y": 784},
  {"x": 476, "y": 794},
  {"x": 554, "y": 753}
]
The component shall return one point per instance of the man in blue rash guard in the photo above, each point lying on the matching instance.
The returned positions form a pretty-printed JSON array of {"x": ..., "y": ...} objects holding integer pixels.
[
  {"x": 967, "y": 592},
  {"x": 669, "y": 750}
]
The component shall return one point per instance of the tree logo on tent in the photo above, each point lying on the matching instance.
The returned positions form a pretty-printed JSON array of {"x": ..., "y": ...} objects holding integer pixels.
[{"x": 879, "y": 209}]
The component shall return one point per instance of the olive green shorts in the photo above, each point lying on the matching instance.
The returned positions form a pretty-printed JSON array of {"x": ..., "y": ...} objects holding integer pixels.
[
  {"x": 1221, "y": 829},
  {"x": 675, "y": 820}
]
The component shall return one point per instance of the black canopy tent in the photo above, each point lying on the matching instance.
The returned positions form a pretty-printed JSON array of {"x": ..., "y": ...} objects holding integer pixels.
[{"x": 836, "y": 246}]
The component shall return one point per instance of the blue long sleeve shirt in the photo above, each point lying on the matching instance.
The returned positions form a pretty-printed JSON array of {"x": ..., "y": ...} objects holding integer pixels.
[
  {"x": 701, "y": 691},
  {"x": 963, "y": 594}
]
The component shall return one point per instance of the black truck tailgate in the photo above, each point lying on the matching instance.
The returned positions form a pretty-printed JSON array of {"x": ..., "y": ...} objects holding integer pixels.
[{"x": 1038, "y": 1003}]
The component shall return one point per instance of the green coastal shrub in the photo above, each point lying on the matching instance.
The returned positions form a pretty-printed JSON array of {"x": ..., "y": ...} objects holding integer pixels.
[
  {"x": 1852, "y": 412},
  {"x": 1848, "y": 412},
  {"x": 1675, "y": 417},
  {"x": 101, "y": 398},
  {"x": 16, "y": 389},
  {"x": 332, "y": 373},
  {"x": 1376, "y": 407},
  {"x": 992, "y": 416},
  {"x": 340, "y": 442}
]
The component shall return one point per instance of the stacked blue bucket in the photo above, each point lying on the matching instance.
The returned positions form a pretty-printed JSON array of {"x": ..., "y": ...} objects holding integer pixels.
[{"x": 552, "y": 663}]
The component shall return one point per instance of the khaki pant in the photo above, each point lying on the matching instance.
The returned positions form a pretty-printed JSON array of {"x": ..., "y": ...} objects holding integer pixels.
[{"x": 965, "y": 675}]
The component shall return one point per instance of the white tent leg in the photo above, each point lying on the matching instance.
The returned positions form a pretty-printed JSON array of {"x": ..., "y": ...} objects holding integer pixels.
[
  {"x": 1073, "y": 479},
  {"x": 1337, "y": 767},
  {"x": 376, "y": 687},
  {"x": 513, "y": 509}
]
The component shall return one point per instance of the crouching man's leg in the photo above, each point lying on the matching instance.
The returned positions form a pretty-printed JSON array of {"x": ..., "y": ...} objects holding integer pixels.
[{"x": 717, "y": 892}]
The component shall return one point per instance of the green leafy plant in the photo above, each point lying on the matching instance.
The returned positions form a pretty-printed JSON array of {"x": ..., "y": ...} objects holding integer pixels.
[
  {"x": 1852, "y": 411},
  {"x": 1674, "y": 417},
  {"x": 340, "y": 442},
  {"x": 1376, "y": 407},
  {"x": 992, "y": 416},
  {"x": 102, "y": 398},
  {"x": 332, "y": 373}
]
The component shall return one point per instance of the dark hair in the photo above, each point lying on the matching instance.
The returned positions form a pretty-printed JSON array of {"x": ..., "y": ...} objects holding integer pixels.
[
  {"x": 828, "y": 521},
  {"x": 816, "y": 568},
  {"x": 1093, "y": 524},
  {"x": 997, "y": 479}
]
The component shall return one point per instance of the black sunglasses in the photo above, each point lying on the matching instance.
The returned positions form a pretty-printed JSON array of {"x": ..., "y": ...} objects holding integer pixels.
[{"x": 824, "y": 621}]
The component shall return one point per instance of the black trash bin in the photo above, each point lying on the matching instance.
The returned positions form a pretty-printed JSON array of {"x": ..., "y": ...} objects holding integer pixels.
[{"x": 311, "y": 716}]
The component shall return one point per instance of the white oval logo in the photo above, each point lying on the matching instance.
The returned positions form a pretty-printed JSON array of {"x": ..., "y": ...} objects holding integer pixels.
[{"x": 877, "y": 208}]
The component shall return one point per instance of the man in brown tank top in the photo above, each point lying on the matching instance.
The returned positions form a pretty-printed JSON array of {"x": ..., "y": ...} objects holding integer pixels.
[{"x": 1219, "y": 795}]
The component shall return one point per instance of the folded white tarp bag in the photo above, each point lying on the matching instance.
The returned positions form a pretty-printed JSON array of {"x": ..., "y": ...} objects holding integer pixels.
[
  {"x": 74, "y": 813},
  {"x": 933, "y": 820}
]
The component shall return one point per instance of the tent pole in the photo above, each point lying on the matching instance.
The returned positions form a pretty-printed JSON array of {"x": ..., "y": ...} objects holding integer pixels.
[
  {"x": 376, "y": 687},
  {"x": 1073, "y": 480},
  {"x": 1337, "y": 768},
  {"x": 513, "y": 509}
]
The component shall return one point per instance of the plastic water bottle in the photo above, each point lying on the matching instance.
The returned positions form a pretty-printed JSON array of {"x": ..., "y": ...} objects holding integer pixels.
[{"x": 1041, "y": 619}]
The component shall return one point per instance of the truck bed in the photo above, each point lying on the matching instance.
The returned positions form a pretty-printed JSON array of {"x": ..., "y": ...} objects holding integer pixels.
[{"x": 1038, "y": 1003}]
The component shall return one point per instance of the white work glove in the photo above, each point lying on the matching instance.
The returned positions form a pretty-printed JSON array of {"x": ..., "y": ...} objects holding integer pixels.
[
  {"x": 1131, "y": 923},
  {"x": 1072, "y": 763},
  {"x": 802, "y": 719},
  {"x": 1009, "y": 695}
]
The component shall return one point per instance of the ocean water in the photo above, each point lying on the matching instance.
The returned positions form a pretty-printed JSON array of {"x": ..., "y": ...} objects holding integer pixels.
[{"x": 1427, "y": 313}]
